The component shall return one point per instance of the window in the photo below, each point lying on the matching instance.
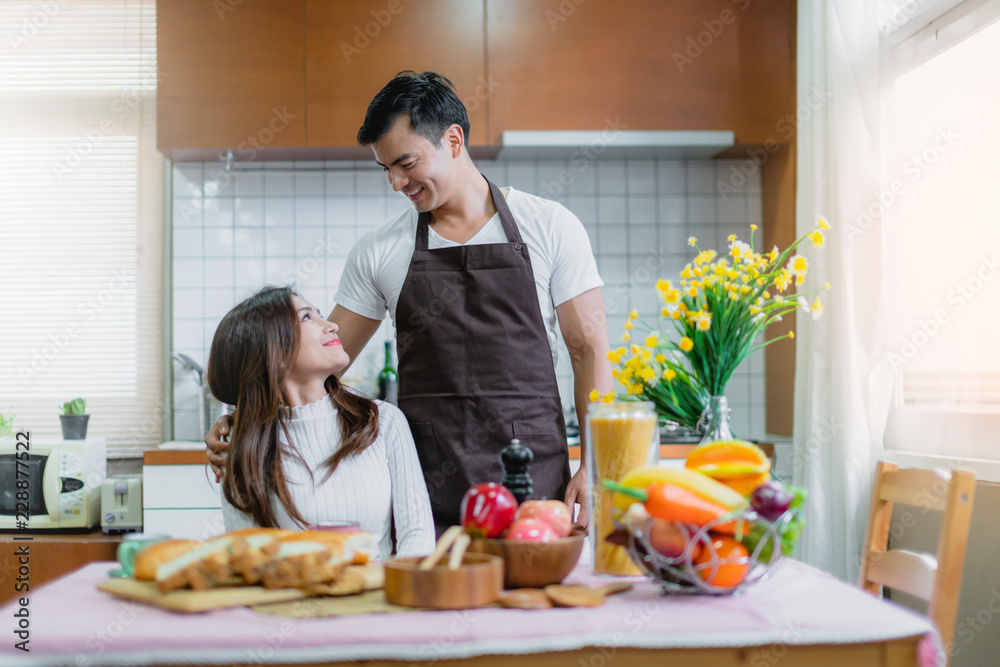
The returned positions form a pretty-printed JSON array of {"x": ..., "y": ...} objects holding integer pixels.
[
  {"x": 81, "y": 218},
  {"x": 945, "y": 235}
]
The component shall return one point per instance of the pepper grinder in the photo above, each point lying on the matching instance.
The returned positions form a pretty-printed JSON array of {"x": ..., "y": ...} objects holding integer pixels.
[{"x": 516, "y": 458}]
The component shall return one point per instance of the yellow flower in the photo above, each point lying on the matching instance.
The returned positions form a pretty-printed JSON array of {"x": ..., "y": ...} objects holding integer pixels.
[
  {"x": 791, "y": 334},
  {"x": 817, "y": 308},
  {"x": 753, "y": 228},
  {"x": 661, "y": 358},
  {"x": 672, "y": 296},
  {"x": 731, "y": 238},
  {"x": 686, "y": 272},
  {"x": 766, "y": 294},
  {"x": 693, "y": 292},
  {"x": 826, "y": 285},
  {"x": 773, "y": 255},
  {"x": 594, "y": 395},
  {"x": 677, "y": 315},
  {"x": 665, "y": 312},
  {"x": 686, "y": 344},
  {"x": 626, "y": 337},
  {"x": 692, "y": 241},
  {"x": 783, "y": 280},
  {"x": 817, "y": 238},
  {"x": 629, "y": 325},
  {"x": 648, "y": 374},
  {"x": 704, "y": 321},
  {"x": 663, "y": 285},
  {"x": 635, "y": 389},
  {"x": 651, "y": 341},
  {"x": 798, "y": 265},
  {"x": 823, "y": 224},
  {"x": 634, "y": 314},
  {"x": 608, "y": 397},
  {"x": 669, "y": 374},
  {"x": 636, "y": 349},
  {"x": 614, "y": 358}
]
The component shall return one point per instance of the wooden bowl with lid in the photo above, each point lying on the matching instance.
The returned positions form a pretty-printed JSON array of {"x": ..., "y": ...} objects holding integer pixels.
[{"x": 477, "y": 581}]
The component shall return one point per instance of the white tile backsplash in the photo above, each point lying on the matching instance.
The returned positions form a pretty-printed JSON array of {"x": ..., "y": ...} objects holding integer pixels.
[{"x": 234, "y": 233}]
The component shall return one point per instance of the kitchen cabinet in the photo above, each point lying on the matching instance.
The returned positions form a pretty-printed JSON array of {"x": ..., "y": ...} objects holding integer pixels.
[
  {"x": 641, "y": 65},
  {"x": 180, "y": 496},
  {"x": 354, "y": 48},
  {"x": 230, "y": 75}
]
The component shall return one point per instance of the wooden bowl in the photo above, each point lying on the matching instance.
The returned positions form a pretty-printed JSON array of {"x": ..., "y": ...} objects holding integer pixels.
[
  {"x": 476, "y": 582},
  {"x": 534, "y": 564}
]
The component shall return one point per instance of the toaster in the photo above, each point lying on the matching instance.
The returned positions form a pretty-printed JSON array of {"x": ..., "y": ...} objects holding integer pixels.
[{"x": 121, "y": 504}]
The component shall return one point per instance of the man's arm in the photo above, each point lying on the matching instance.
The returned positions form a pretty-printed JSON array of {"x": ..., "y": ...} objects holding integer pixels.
[
  {"x": 354, "y": 331},
  {"x": 583, "y": 324}
]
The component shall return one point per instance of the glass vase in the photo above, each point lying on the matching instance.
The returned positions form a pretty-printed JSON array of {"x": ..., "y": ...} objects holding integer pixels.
[
  {"x": 621, "y": 436},
  {"x": 716, "y": 420}
]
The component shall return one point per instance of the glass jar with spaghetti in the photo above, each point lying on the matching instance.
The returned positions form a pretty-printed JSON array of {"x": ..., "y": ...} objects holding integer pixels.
[{"x": 621, "y": 436}]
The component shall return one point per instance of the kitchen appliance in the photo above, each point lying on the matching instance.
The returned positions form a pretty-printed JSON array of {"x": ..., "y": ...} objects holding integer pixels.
[
  {"x": 60, "y": 481},
  {"x": 121, "y": 503}
]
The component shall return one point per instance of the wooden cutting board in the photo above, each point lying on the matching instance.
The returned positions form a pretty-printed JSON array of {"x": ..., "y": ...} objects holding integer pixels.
[
  {"x": 187, "y": 601},
  {"x": 355, "y": 579}
]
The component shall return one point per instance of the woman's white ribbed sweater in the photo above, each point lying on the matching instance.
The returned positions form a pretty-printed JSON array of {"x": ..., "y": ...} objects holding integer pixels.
[{"x": 382, "y": 483}]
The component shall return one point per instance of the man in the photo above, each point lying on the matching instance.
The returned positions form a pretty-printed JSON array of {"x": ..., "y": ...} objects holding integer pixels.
[{"x": 474, "y": 279}]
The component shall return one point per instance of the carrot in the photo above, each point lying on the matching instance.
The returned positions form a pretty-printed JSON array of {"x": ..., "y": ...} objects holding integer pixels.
[{"x": 675, "y": 503}]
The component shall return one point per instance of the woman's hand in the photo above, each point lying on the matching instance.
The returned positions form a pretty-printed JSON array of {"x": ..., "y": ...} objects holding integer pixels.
[{"x": 217, "y": 447}]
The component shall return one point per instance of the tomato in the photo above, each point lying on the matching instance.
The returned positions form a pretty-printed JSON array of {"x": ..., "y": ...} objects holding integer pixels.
[{"x": 732, "y": 558}]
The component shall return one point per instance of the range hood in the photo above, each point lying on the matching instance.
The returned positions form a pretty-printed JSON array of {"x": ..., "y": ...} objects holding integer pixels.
[{"x": 613, "y": 144}]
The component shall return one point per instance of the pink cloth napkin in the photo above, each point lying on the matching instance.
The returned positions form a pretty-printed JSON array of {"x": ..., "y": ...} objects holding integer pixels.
[{"x": 74, "y": 623}]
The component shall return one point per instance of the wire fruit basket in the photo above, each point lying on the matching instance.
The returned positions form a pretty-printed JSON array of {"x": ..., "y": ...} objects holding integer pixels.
[{"x": 697, "y": 562}]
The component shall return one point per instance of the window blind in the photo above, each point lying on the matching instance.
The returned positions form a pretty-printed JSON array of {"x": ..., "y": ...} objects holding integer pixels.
[{"x": 81, "y": 219}]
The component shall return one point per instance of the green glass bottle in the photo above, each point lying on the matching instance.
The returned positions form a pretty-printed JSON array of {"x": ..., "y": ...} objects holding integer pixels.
[{"x": 388, "y": 379}]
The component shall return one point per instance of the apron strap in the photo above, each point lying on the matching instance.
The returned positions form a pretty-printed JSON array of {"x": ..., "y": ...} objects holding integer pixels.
[{"x": 506, "y": 219}]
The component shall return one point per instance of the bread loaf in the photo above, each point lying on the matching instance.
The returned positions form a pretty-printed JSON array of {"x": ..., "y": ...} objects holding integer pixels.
[
  {"x": 151, "y": 557},
  {"x": 200, "y": 568}
]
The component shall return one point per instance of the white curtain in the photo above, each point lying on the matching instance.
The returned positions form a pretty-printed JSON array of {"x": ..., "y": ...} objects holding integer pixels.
[{"x": 843, "y": 382}]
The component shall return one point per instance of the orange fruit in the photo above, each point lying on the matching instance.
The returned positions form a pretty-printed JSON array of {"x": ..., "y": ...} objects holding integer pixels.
[{"x": 732, "y": 558}]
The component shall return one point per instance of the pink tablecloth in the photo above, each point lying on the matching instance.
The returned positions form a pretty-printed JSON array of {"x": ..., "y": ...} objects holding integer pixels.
[{"x": 72, "y": 623}]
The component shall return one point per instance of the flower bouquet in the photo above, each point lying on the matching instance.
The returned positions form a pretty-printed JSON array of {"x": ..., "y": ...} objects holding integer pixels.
[{"x": 717, "y": 313}]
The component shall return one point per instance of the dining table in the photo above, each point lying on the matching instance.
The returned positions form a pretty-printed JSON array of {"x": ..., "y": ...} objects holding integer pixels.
[{"x": 798, "y": 615}]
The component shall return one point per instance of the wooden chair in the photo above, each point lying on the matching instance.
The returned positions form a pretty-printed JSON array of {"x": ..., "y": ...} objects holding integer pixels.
[{"x": 937, "y": 580}]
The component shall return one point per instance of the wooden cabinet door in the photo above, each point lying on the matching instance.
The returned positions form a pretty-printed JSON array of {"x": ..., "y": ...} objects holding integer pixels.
[
  {"x": 640, "y": 65},
  {"x": 231, "y": 74},
  {"x": 354, "y": 47}
]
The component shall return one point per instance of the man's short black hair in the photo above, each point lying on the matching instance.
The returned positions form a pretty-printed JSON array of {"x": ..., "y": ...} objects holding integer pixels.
[{"x": 428, "y": 99}]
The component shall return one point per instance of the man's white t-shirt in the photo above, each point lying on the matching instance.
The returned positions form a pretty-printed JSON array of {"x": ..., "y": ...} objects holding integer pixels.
[{"x": 561, "y": 258}]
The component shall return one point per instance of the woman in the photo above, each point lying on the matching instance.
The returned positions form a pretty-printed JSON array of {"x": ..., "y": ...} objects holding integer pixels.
[{"x": 274, "y": 357}]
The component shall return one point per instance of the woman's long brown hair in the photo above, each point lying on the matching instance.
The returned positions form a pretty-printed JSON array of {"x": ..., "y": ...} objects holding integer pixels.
[{"x": 252, "y": 353}]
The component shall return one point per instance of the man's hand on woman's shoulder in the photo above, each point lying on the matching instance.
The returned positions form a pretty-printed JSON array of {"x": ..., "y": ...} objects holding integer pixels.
[{"x": 217, "y": 447}]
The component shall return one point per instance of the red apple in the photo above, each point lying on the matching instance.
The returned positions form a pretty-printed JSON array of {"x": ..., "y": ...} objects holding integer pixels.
[
  {"x": 487, "y": 509},
  {"x": 531, "y": 530},
  {"x": 553, "y": 512}
]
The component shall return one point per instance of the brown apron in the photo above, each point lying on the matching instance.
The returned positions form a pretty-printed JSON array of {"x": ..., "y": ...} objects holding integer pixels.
[{"x": 475, "y": 368}]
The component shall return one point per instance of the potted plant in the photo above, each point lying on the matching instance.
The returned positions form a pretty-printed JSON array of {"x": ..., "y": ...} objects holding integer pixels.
[{"x": 74, "y": 419}]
